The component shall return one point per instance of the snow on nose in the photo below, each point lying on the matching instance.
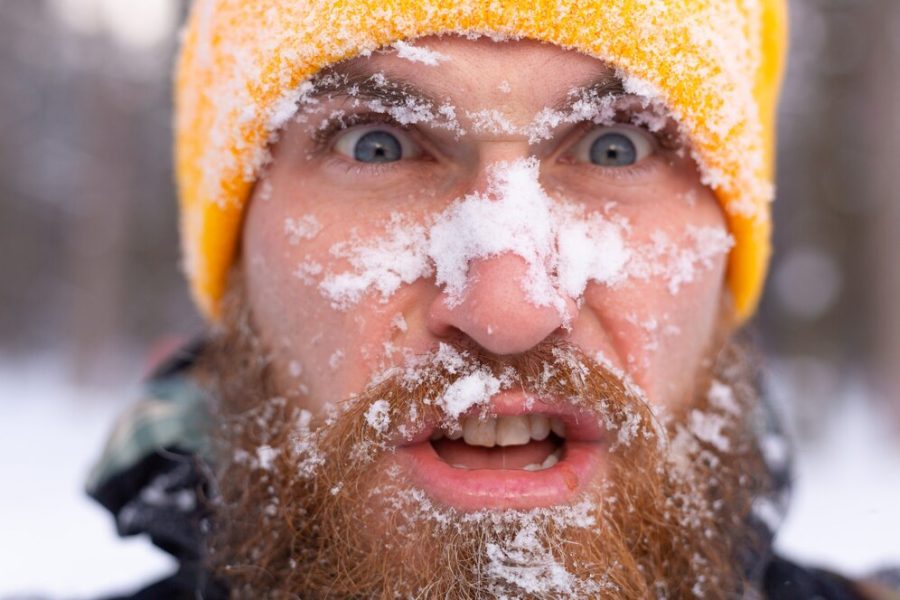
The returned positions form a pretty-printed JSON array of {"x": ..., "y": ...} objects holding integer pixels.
[{"x": 495, "y": 311}]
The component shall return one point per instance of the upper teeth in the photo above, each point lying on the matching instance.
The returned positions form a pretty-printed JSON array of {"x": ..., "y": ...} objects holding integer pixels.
[{"x": 504, "y": 431}]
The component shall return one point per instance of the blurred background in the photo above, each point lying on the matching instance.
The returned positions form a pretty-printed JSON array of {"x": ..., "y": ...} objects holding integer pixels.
[{"x": 91, "y": 294}]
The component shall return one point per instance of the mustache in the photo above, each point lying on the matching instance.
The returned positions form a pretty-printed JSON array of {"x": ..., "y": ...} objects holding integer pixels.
[{"x": 458, "y": 378}]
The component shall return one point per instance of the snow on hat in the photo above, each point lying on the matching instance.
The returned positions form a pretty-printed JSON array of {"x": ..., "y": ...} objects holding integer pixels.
[{"x": 716, "y": 64}]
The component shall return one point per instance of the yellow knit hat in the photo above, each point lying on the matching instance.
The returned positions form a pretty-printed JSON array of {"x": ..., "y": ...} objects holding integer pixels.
[{"x": 717, "y": 64}]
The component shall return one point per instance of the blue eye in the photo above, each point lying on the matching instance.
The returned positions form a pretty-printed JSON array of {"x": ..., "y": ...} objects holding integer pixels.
[
  {"x": 377, "y": 147},
  {"x": 618, "y": 146},
  {"x": 373, "y": 144},
  {"x": 613, "y": 150}
]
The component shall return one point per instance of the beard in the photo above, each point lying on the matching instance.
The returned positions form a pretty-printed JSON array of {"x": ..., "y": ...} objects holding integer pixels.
[{"x": 311, "y": 506}]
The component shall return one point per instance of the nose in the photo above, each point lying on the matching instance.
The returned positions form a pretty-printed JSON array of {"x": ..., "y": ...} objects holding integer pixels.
[{"x": 495, "y": 309}]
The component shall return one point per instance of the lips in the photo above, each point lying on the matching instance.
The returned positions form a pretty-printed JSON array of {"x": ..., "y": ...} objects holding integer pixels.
[{"x": 517, "y": 452}]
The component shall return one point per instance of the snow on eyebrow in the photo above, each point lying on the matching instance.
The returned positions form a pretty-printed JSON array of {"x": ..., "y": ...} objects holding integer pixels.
[
  {"x": 377, "y": 94},
  {"x": 418, "y": 54},
  {"x": 491, "y": 120}
]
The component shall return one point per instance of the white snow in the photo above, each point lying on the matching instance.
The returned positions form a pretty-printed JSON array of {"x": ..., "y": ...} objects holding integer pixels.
[
  {"x": 382, "y": 265},
  {"x": 266, "y": 455},
  {"x": 845, "y": 512},
  {"x": 57, "y": 541},
  {"x": 378, "y": 416},
  {"x": 419, "y": 54},
  {"x": 525, "y": 563},
  {"x": 562, "y": 248},
  {"x": 470, "y": 390},
  {"x": 306, "y": 227},
  {"x": 708, "y": 427}
]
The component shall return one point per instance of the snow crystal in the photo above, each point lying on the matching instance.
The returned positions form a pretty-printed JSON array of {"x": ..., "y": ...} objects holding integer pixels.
[
  {"x": 721, "y": 396},
  {"x": 266, "y": 455},
  {"x": 382, "y": 265},
  {"x": 418, "y": 54},
  {"x": 336, "y": 358},
  {"x": 378, "y": 416},
  {"x": 563, "y": 247},
  {"x": 308, "y": 270},
  {"x": 590, "y": 250},
  {"x": 638, "y": 87},
  {"x": 306, "y": 227},
  {"x": 399, "y": 323},
  {"x": 468, "y": 391},
  {"x": 525, "y": 563},
  {"x": 295, "y": 369},
  {"x": 708, "y": 427},
  {"x": 516, "y": 559},
  {"x": 677, "y": 262},
  {"x": 449, "y": 358},
  {"x": 491, "y": 120},
  {"x": 305, "y": 446}
]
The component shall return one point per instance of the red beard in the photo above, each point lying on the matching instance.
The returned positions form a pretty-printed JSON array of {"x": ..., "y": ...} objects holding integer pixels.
[{"x": 308, "y": 508}]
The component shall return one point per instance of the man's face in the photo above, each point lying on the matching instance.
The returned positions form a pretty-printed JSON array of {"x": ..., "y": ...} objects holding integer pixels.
[{"x": 472, "y": 224}]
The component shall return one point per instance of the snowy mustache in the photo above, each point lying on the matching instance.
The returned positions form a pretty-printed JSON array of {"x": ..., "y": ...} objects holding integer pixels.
[{"x": 437, "y": 389}]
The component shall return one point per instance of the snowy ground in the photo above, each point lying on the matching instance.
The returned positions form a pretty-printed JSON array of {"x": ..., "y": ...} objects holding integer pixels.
[
  {"x": 845, "y": 512},
  {"x": 56, "y": 543}
]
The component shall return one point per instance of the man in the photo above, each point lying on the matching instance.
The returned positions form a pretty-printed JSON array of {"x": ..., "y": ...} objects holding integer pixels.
[{"x": 475, "y": 273}]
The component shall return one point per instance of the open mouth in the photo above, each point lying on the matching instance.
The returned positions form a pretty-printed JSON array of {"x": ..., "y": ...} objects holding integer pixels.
[
  {"x": 526, "y": 442},
  {"x": 517, "y": 452}
]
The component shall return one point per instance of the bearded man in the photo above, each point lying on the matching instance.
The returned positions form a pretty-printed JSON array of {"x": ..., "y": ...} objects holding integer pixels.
[{"x": 475, "y": 274}]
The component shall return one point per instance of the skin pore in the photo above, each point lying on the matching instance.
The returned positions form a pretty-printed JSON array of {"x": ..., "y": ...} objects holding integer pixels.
[{"x": 371, "y": 242}]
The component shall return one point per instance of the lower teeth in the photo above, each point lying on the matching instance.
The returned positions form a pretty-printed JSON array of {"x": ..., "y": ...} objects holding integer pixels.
[{"x": 548, "y": 462}]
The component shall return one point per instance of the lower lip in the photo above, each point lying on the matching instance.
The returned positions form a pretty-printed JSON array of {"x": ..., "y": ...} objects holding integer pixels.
[{"x": 472, "y": 490}]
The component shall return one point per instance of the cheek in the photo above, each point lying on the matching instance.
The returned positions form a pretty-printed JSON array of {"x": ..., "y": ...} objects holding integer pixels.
[
  {"x": 331, "y": 352},
  {"x": 661, "y": 319}
]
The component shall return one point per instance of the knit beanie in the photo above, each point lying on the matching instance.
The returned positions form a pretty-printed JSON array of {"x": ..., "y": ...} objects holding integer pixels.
[{"x": 715, "y": 64}]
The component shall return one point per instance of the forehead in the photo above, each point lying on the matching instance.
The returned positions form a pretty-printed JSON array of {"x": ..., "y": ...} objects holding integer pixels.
[{"x": 509, "y": 75}]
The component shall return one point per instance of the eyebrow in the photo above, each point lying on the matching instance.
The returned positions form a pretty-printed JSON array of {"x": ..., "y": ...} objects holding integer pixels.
[
  {"x": 355, "y": 82},
  {"x": 606, "y": 84}
]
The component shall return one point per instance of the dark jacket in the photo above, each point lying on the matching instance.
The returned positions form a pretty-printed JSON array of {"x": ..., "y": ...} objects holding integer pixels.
[{"x": 153, "y": 478}]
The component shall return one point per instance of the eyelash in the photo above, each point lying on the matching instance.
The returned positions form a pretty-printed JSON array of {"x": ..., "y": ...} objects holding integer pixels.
[{"x": 323, "y": 136}]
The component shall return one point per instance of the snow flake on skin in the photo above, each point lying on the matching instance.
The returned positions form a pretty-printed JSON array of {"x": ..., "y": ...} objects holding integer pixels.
[
  {"x": 306, "y": 227},
  {"x": 295, "y": 369},
  {"x": 418, "y": 54},
  {"x": 335, "y": 360},
  {"x": 563, "y": 248}
]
